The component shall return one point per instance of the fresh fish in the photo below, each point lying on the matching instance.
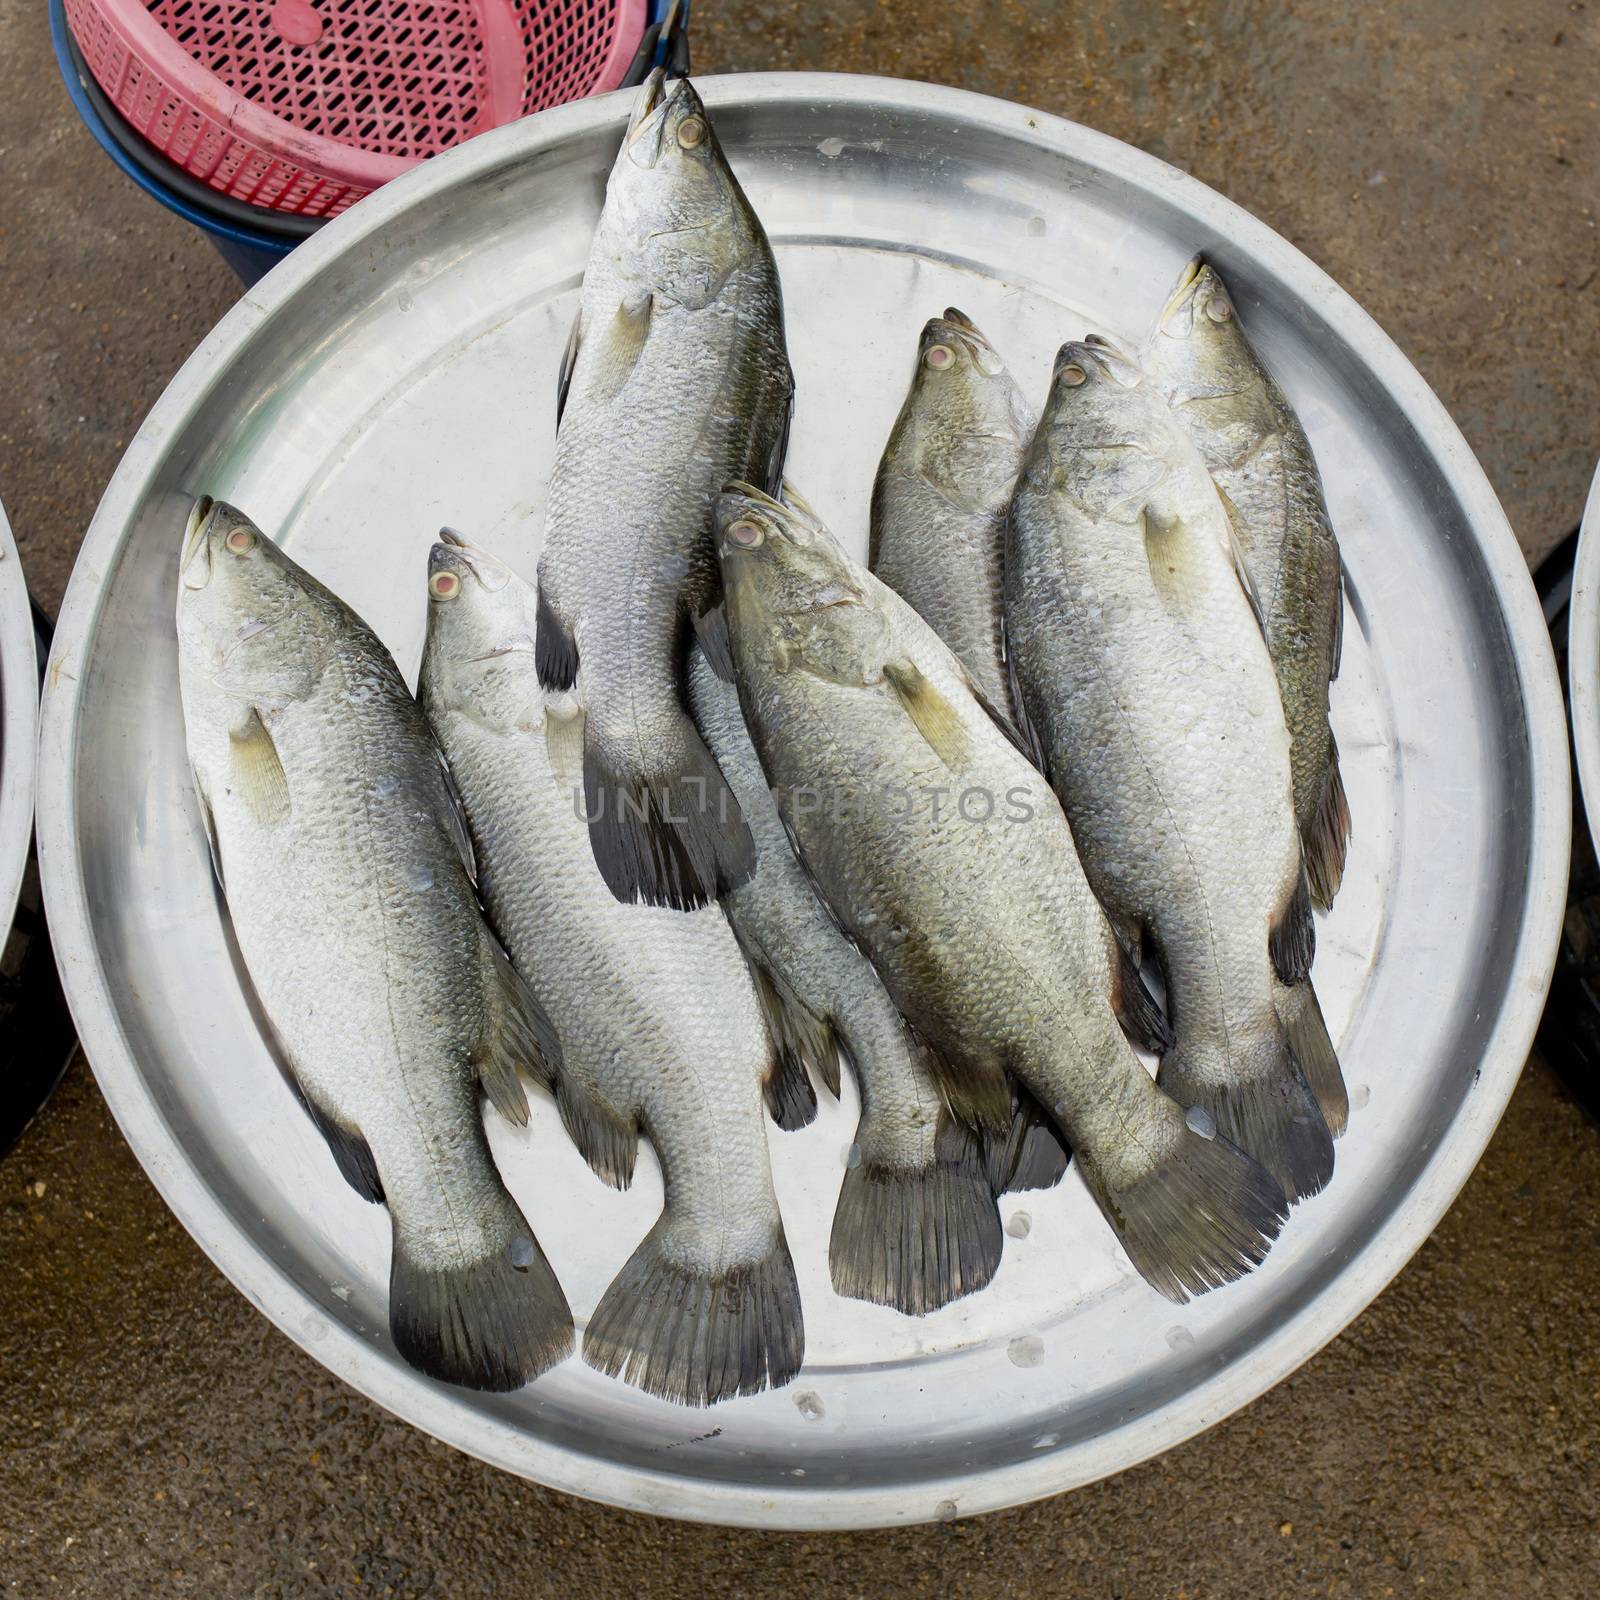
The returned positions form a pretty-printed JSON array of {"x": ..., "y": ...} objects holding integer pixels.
[
  {"x": 1261, "y": 460},
  {"x": 1147, "y": 683},
  {"x": 659, "y": 1023},
  {"x": 916, "y": 1224},
  {"x": 676, "y": 378},
  {"x": 943, "y": 488},
  {"x": 348, "y": 878},
  {"x": 944, "y": 854}
]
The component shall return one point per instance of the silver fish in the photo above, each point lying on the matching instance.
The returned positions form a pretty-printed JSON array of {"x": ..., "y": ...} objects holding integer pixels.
[
  {"x": 348, "y": 878},
  {"x": 1146, "y": 680},
  {"x": 659, "y": 1023},
  {"x": 677, "y": 377},
  {"x": 916, "y": 1224},
  {"x": 1260, "y": 457},
  {"x": 943, "y": 488},
  {"x": 944, "y": 854}
]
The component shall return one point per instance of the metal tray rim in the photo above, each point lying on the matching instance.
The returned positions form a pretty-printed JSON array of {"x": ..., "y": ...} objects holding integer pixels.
[
  {"x": 19, "y": 712},
  {"x": 785, "y": 1506},
  {"x": 1583, "y": 657}
]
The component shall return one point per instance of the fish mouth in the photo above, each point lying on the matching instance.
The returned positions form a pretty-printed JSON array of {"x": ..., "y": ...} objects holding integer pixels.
[
  {"x": 646, "y": 135},
  {"x": 1182, "y": 296},
  {"x": 194, "y": 542},
  {"x": 1097, "y": 353},
  {"x": 453, "y": 553}
]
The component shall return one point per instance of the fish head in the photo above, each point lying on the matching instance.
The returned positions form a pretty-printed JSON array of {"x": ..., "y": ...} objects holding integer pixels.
[
  {"x": 1198, "y": 348},
  {"x": 795, "y": 601},
  {"x": 478, "y": 653},
  {"x": 678, "y": 222},
  {"x": 251, "y": 620},
  {"x": 1104, "y": 436},
  {"x": 965, "y": 419}
]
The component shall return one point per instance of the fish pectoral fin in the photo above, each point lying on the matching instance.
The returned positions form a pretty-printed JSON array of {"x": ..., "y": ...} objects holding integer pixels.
[
  {"x": 1292, "y": 943},
  {"x": 563, "y": 743},
  {"x": 935, "y": 718},
  {"x": 608, "y": 1142},
  {"x": 1169, "y": 549},
  {"x": 209, "y": 823},
  {"x": 1241, "y": 564},
  {"x": 517, "y": 1033},
  {"x": 623, "y": 342},
  {"x": 1143, "y": 1021},
  {"x": 774, "y": 480},
  {"x": 257, "y": 771},
  {"x": 802, "y": 1044}
]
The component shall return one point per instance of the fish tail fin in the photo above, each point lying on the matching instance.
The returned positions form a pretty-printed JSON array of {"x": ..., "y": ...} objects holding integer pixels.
[
  {"x": 1195, "y": 1216},
  {"x": 1312, "y": 1047},
  {"x": 493, "y": 1323},
  {"x": 669, "y": 1327},
  {"x": 673, "y": 836},
  {"x": 916, "y": 1237},
  {"x": 1258, "y": 1099},
  {"x": 1327, "y": 836},
  {"x": 1030, "y": 1154}
]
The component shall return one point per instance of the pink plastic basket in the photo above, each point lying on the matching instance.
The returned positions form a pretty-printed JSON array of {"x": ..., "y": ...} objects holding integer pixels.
[{"x": 306, "y": 105}]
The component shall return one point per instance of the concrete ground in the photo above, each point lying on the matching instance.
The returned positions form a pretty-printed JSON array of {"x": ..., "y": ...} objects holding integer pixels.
[{"x": 1442, "y": 160}]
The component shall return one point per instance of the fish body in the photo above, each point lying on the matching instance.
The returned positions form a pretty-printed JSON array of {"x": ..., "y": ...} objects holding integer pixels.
[
  {"x": 677, "y": 378},
  {"x": 1258, "y": 453},
  {"x": 1148, "y": 686},
  {"x": 348, "y": 882},
  {"x": 660, "y": 1028},
  {"x": 946, "y": 857},
  {"x": 916, "y": 1224},
  {"x": 942, "y": 491}
]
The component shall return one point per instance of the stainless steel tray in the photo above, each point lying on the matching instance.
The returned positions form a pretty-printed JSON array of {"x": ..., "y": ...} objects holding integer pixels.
[
  {"x": 19, "y": 712},
  {"x": 398, "y": 372},
  {"x": 1583, "y": 658}
]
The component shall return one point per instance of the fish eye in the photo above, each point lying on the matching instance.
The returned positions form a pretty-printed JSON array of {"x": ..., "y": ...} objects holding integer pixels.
[
  {"x": 1072, "y": 375},
  {"x": 691, "y": 131},
  {"x": 1218, "y": 309},
  {"x": 444, "y": 586},
  {"x": 746, "y": 533},
  {"x": 241, "y": 541},
  {"x": 939, "y": 357}
]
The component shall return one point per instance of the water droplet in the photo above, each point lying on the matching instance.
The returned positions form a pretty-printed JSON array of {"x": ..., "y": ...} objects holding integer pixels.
[
  {"x": 386, "y": 786},
  {"x": 341, "y": 1291},
  {"x": 797, "y": 1472},
  {"x": 831, "y": 148},
  {"x": 520, "y": 1252},
  {"x": 852, "y": 1155},
  {"x": 315, "y": 1329},
  {"x": 420, "y": 878},
  {"x": 810, "y": 1406},
  {"x": 1036, "y": 227},
  {"x": 1360, "y": 1097},
  {"x": 1201, "y": 1121},
  {"x": 1026, "y": 1351},
  {"x": 1019, "y": 1226},
  {"x": 1046, "y": 1440},
  {"x": 1179, "y": 1338},
  {"x": 404, "y": 300},
  {"x": 946, "y": 1511}
]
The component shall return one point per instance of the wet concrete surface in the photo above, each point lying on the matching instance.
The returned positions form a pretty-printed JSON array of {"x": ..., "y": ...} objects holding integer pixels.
[{"x": 158, "y": 1437}]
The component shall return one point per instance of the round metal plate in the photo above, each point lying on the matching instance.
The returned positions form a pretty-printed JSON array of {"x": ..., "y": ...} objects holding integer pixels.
[
  {"x": 398, "y": 372},
  {"x": 1583, "y": 658}
]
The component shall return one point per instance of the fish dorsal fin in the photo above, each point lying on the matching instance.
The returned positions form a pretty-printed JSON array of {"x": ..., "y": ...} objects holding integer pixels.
[
  {"x": 209, "y": 823},
  {"x": 936, "y": 719},
  {"x": 257, "y": 771},
  {"x": 517, "y": 1034},
  {"x": 455, "y": 818},
  {"x": 563, "y": 743},
  {"x": 1241, "y": 566},
  {"x": 569, "y": 359}
]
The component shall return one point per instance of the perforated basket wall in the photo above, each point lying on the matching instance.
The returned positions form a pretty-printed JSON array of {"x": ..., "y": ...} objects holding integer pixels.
[{"x": 306, "y": 105}]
